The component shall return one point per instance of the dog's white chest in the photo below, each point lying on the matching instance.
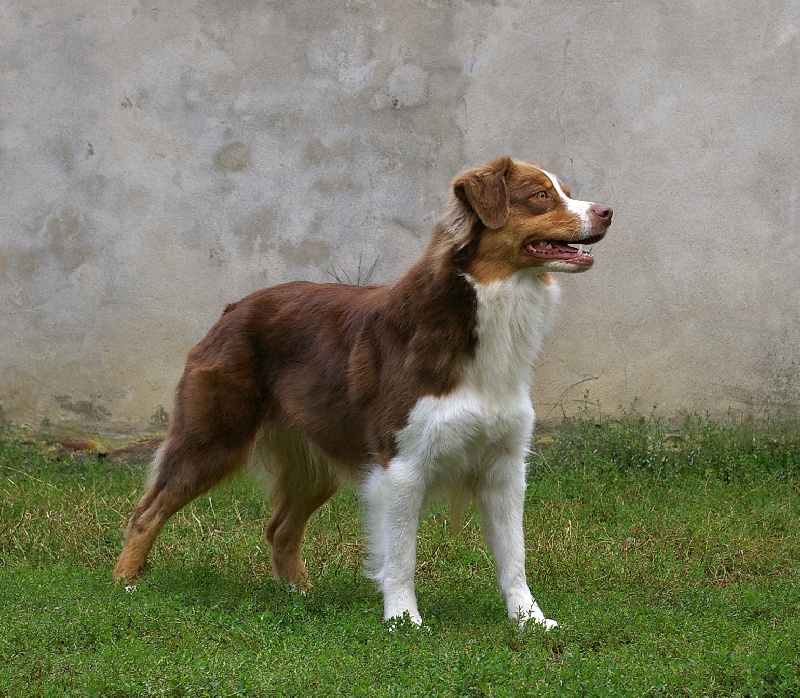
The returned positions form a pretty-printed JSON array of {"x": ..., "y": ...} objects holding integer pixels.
[{"x": 490, "y": 413}]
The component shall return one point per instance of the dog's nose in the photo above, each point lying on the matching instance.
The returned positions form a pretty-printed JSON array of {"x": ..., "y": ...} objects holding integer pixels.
[{"x": 604, "y": 213}]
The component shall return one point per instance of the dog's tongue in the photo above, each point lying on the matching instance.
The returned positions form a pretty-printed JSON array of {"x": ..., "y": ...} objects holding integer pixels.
[
  {"x": 546, "y": 249},
  {"x": 558, "y": 247}
]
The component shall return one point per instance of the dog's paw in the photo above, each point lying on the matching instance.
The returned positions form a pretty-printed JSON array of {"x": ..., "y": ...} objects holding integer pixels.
[
  {"x": 531, "y": 616},
  {"x": 528, "y": 622},
  {"x": 398, "y": 625},
  {"x": 406, "y": 620},
  {"x": 545, "y": 623},
  {"x": 295, "y": 588}
]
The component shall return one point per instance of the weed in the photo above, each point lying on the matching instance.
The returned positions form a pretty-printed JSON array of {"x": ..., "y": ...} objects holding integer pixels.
[{"x": 362, "y": 275}]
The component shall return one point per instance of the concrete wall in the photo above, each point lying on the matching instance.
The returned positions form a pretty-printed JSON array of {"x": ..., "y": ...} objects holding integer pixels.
[{"x": 158, "y": 160}]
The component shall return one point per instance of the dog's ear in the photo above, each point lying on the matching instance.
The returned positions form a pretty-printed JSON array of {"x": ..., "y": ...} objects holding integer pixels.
[{"x": 484, "y": 190}]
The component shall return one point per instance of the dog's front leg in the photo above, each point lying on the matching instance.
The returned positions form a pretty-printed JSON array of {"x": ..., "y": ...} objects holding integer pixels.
[
  {"x": 394, "y": 501},
  {"x": 500, "y": 499}
]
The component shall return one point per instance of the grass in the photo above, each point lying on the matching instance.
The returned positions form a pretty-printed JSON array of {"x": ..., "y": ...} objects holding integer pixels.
[{"x": 671, "y": 558}]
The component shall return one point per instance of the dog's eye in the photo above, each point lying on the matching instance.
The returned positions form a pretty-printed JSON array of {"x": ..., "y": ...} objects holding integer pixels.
[{"x": 541, "y": 194}]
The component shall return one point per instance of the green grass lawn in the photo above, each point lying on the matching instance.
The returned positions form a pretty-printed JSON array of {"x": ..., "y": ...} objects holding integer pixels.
[{"x": 671, "y": 558}]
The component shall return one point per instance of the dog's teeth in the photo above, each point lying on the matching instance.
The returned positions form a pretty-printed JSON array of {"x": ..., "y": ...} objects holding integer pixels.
[{"x": 580, "y": 248}]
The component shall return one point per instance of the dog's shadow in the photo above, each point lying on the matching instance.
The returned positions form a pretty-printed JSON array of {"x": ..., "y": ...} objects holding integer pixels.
[
  {"x": 199, "y": 585},
  {"x": 337, "y": 595}
]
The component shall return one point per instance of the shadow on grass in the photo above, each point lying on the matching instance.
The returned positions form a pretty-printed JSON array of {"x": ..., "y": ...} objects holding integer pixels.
[{"x": 205, "y": 587}]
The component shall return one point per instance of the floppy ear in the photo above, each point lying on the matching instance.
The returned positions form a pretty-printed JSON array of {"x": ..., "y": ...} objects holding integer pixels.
[{"x": 484, "y": 191}]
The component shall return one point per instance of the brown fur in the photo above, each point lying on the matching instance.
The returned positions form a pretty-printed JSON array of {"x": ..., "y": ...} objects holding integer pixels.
[{"x": 324, "y": 375}]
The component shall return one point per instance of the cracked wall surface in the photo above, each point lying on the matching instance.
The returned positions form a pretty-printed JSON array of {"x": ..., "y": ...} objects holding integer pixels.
[{"x": 159, "y": 161}]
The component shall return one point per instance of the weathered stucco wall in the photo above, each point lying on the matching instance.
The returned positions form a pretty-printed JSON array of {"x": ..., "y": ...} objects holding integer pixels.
[{"x": 161, "y": 159}]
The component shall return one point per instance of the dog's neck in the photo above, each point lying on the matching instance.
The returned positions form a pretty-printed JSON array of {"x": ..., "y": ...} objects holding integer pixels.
[{"x": 513, "y": 317}]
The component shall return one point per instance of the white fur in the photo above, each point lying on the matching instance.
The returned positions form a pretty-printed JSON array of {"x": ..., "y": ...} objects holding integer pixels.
[
  {"x": 580, "y": 208},
  {"x": 476, "y": 439}
]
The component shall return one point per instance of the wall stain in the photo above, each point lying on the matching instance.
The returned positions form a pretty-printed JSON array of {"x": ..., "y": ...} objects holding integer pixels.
[
  {"x": 233, "y": 157},
  {"x": 782, "y": 365},
  {"x": 83, "y": 408},
  {"x": 65, "y": 155},
  {"x": 66, "y": 238},
  {"x": 307, "y": 253},
  {"x": 255, "y": 230},
  {"x": 334, "y": 187},
  {"x": 317, "y": 153},
  {"x": 63, "y": 243}
]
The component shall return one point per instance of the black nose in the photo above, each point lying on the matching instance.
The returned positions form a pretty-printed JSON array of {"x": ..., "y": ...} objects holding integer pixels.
[{"x": 604, "y": 213}]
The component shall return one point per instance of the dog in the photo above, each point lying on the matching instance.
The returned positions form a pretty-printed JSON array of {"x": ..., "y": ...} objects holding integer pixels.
[{"x": 414, "y": 389}]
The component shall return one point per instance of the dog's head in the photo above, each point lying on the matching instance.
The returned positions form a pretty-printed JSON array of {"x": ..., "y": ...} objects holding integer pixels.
[{"x": 515, "y": 216}]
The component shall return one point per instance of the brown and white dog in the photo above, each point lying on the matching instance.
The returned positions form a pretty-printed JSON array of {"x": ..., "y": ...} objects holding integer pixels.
[{"x": 417, "y": 388}]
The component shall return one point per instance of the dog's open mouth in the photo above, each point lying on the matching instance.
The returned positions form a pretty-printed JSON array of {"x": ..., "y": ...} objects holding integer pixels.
[{"x": 551, "y": 250}]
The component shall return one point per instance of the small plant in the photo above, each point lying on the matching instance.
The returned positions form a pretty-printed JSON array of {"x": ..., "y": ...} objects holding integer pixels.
[{"x": 362, "y": 276}]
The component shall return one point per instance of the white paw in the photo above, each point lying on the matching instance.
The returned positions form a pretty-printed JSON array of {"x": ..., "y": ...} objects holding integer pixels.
[
  {"x": 532, "y": 616},
  {"x": 297, "y": 589},
  {"x": 546, "y": 623},
  {"x": 405, "y": 618},
  {"x": 529, "y": 620}
]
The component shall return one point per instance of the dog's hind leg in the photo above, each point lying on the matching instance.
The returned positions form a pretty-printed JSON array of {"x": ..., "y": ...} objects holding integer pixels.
[
  {"x": 213, "y": 427},
  {"x": 179, "y": 476},
  {"x": 287, "y": 526},
  {"x": 303, "y": 480}
]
